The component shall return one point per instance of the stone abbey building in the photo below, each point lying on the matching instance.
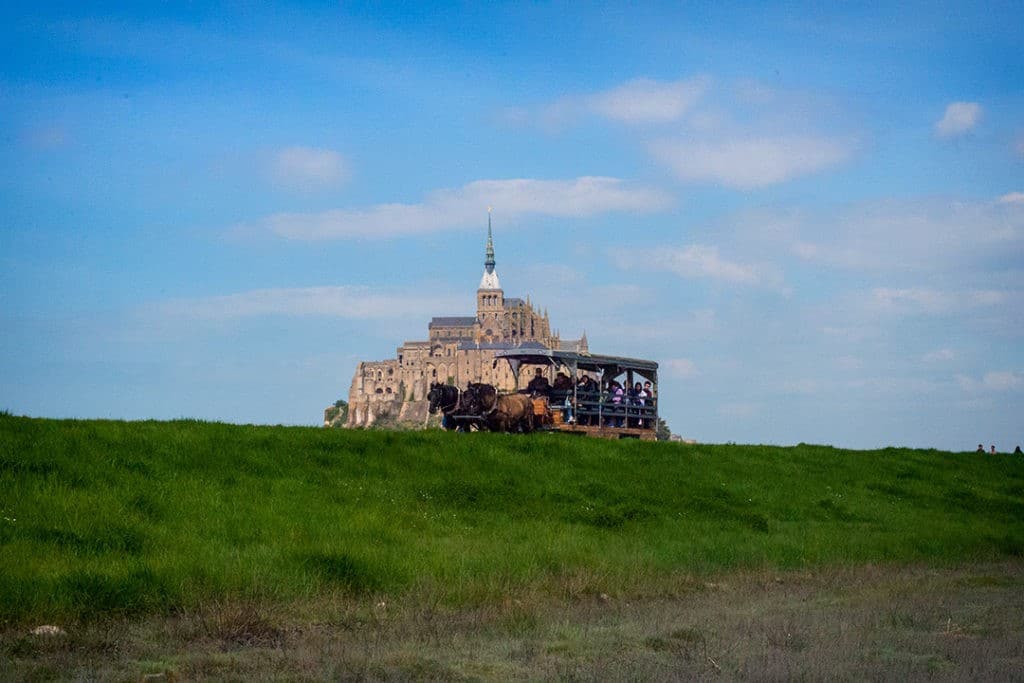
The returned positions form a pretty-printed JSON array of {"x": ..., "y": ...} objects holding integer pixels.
[{"x": 459, "y": 349}]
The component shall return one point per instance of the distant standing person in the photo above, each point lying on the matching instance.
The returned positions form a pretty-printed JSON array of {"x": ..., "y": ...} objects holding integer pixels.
[
  {"x": 993, "y": 451},
  {"x": 981, "y": 448},
  {"x": 1016, "y": 451}
]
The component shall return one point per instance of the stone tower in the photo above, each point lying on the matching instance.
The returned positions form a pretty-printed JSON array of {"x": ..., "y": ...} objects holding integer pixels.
[{"x": 490, "y": 298}]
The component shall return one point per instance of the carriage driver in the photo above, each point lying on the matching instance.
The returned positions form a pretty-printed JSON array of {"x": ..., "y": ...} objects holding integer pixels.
[{"x": 539, "y": 386}]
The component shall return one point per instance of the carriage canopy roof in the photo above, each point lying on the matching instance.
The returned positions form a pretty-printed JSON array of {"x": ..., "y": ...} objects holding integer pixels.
[{"x": 608, "y": 365}]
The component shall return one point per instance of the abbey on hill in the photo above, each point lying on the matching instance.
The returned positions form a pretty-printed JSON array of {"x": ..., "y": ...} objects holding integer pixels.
[{"x": 459, "y": 349}]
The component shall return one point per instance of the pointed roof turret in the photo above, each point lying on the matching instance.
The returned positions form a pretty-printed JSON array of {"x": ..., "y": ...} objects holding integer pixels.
[
  {"x": 489, "y": 261},
  {"x": 490, "y": 278}
]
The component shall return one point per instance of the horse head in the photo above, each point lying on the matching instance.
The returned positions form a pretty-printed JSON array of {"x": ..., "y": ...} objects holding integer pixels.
[
  {"x": 434, "y": 396},
  {"x": 480, "y": 398}
]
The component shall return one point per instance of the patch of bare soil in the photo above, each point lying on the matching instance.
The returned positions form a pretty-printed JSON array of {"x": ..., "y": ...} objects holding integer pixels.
[{"x": 877, "y": 623}]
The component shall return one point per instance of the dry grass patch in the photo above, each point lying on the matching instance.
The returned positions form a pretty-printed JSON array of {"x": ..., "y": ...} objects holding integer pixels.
[{"x": 873, "y": 622}]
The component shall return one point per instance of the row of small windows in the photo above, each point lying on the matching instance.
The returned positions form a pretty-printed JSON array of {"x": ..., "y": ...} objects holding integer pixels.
[{"x": 380, "y": 376}]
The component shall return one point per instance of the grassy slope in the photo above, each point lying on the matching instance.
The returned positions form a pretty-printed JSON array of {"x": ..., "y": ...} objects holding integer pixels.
[{"x": 101, "y": 517}]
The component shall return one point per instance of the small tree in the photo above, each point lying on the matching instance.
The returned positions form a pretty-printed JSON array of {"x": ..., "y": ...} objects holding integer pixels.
[
  {"x": 663, "y": 433},
  {"x": 338, "y": 413}
]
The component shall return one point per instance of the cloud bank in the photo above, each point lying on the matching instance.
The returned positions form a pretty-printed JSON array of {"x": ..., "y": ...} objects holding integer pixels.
[
  {"x": 459, "y": 208},
  {"x": 748, "y": 136},
  {"x": 344, "y": 301},
  {"x": 932, "y": 301},
  {"x": 647, "y": 101},
  {"x": 641, "y": 101},
  {"x": 695, "y": 261},
  {"x": 748, "y": 163},
  {"x": 1002, "y": 380},
  {"x": 926, "y": 234}
]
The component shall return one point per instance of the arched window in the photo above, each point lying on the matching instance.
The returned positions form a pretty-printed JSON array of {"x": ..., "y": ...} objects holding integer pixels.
[{"x": 380, "y": 375}]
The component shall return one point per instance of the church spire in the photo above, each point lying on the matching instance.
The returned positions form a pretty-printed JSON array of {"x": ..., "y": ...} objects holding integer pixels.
[
  {"x": 490, "y": 278},
  {"x": 489, "y": 261}
]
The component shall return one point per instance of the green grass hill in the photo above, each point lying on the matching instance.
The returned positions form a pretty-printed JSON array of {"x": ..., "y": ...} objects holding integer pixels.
[{"x": 104, "y": 517}]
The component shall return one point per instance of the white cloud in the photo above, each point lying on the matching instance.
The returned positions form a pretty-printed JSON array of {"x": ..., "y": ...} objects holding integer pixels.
[
  {"x": 926, "y": 234},
  {"x": 1004, "y": 380},
  {"x": 635, "y": 102},
  {"x": 459, "y": 208},
  {"x": 931, "y": 301},
  {"x": 647, "y": 101},
  {"x": 682, "y": 368},
  {"x": 960, "y": 117},
  {"x": 939, "y": 355},
  {"x": 695, "y": 261},
  {"x": 307, "y": 168},
  {"x": 1012, "y": 198},
  {"x": 346, "y": 301},
  {"x": 750, "y": 162}
]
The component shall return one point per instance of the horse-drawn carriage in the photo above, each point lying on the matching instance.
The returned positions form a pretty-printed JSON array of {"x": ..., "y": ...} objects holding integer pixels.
[{"x": 587, "y": 398}]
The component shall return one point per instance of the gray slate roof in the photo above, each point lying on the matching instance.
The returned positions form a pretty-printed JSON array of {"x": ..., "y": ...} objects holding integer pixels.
[
  {"x": 512, "y": 301},
  {"x": 453, "y": 321}
]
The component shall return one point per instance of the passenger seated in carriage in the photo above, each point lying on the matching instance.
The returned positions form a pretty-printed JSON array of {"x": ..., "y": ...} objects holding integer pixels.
[
  {"x": 538, "y": 386},
  {"x": 586, "y": 385},
  {"x": 586, "y": 393},
  {"x": 615, "y": 397},
  {"x": 637, "y": 396},
  {"x": 562, "y": 382}
]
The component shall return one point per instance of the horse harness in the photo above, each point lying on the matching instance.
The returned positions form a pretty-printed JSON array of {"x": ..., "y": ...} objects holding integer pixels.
[{"x": 458, "y": 395}]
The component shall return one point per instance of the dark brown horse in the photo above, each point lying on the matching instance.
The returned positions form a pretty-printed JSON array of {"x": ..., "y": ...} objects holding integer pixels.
[
  {"x": 501, "y": 413},
  {"x": 512, "y": 412}
]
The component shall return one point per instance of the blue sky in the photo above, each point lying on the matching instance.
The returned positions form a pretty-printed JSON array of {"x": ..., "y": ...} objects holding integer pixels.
[{"x": 812, "y": 217}]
